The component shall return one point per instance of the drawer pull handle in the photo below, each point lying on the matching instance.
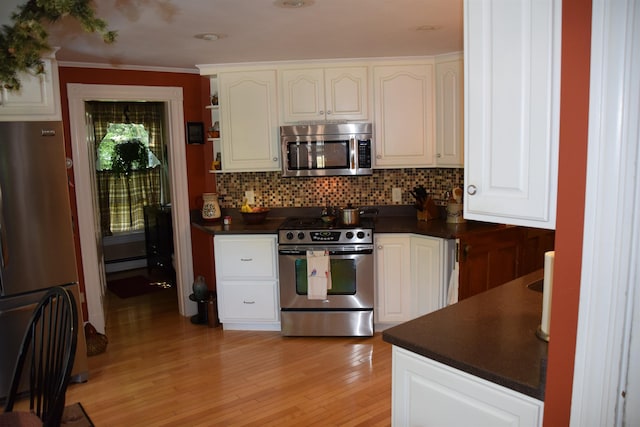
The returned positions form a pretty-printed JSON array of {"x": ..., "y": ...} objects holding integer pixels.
[
  {"x": 248, "y": 302},
  {"x": 246, "y": 259}
]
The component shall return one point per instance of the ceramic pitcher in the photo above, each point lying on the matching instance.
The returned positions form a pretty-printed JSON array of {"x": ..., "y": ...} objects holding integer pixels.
[{"x": 210, "y": 206}]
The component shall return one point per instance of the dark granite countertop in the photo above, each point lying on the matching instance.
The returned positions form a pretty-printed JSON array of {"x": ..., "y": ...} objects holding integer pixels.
[
  {"x": 490, "y": 335},
  {"x": 435, "y": 228},
  {"x": 390, "y": 219}
]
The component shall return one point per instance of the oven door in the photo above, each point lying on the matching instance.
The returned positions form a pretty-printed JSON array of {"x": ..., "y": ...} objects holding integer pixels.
[{"x": 351, "y": 279}]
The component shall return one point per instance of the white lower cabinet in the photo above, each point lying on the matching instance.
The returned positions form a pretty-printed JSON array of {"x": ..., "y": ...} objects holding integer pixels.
[
  {"x": 247, "y": 281},
  {"x": 411, "y": 275},
  {"x": 393, "y": 278},
  {"x": 429, "y": 393}
]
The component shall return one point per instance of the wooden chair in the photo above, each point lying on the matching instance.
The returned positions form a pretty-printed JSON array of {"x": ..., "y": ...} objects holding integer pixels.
[{"x": 45, "y": 361}]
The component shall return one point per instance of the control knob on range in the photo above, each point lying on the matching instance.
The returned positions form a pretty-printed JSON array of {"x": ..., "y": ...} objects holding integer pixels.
[
  {"x": 349, "y": 235},
  {"x": 289, "y": 235},
  {"x": 300, "y": 235},
  {"x": 360, "y": 234}
]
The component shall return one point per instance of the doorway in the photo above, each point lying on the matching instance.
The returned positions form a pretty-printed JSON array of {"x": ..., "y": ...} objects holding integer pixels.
[
  {"x": 133, "y": 194},
  {"x": 88, "y": 209}
]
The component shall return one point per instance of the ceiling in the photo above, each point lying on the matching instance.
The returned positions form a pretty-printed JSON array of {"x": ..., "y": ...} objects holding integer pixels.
[{"x": 160, "y": 33}]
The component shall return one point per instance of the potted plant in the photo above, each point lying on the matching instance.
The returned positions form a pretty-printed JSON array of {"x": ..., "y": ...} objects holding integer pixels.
[{"x": 129, "y": 156}]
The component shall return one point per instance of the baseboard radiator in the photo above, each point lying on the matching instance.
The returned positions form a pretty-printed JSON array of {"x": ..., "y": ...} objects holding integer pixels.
[{"x": 124, "y": 252}]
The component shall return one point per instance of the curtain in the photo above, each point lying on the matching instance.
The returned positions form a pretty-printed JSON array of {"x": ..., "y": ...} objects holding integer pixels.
[{"x": 122, "y": 198}]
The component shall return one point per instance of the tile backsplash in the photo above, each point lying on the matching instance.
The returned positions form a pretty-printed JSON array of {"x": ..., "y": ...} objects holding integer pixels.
[{"x": 272, "y": 190}]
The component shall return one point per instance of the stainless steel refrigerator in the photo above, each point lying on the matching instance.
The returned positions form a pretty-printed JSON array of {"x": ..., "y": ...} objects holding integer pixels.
[{"x": 36, "y": 235}]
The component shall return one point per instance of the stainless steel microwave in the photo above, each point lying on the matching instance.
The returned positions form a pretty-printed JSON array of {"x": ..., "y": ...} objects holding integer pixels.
[{"x": 326, "y": 149}]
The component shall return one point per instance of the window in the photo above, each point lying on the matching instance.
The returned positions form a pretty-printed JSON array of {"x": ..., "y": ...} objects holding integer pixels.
[{"x": 131, "y": 167}]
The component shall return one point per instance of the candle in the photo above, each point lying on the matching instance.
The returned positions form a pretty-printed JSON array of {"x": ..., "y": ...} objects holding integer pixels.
[{"x": 547, "y": 291}]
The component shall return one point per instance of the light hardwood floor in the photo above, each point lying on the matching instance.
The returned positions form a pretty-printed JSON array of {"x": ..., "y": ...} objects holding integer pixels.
[{"x": 161, "y": 370}]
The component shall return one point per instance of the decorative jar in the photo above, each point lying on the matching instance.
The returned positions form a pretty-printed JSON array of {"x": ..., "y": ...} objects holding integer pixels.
[{"x": 210, "y": 207}]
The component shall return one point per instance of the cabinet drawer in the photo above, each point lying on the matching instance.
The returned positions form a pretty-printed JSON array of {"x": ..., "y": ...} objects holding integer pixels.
[
  {"x": 248, "y": 301},
  {"x": 241, "y": 257}
]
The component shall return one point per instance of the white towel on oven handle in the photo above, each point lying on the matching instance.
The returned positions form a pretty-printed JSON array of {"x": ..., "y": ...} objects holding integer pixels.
[{"x": 318, "y": 274}]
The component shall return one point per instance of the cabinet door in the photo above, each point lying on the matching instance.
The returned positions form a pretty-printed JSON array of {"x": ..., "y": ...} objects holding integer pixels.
[
  {"x": 488, "y": 259},
  {"x": 404, "y": 115},
  {"x": 302, "y": 95},
  {"x": 249, "y": 122},
  {"x": 536, "y": 242},
  {"x": 428, "y": 393},
  {"x": 427, "y": 279},
  {"x": 346, "y": 90},
  {"x": 393, "y": 278},
  {"x": 449, "y": 110},
  {"x": 37, "y": 99},
  {"x": 324, "y": 94},
  {"x": 512, "y": 81}
]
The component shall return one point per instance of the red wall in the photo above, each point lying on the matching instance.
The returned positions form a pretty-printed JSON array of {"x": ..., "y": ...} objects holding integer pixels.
[
  {"x": 574, "y": 121},
  {"x": 195, "y": 96}
]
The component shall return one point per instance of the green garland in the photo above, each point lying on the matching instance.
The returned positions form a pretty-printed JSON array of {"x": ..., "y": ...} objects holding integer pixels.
[{"x": 23, "y": 43}]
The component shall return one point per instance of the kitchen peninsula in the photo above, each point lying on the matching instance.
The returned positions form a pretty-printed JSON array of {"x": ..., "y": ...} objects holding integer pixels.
[{"x": 486, "y": 345}]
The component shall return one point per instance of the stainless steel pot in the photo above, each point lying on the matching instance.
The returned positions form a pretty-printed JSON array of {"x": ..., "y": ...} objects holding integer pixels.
[{"x": 350, "y": 215}]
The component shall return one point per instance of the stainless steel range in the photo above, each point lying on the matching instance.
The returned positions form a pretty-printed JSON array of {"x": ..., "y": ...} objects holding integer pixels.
[{"x": 348, "y": 307}]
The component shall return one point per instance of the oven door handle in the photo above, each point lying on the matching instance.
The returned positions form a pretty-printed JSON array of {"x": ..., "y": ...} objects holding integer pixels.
[{"x": 331, "y": 251}]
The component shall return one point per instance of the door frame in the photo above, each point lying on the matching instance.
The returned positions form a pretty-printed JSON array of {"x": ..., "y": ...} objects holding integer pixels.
[{"x": 89, "y": 232}]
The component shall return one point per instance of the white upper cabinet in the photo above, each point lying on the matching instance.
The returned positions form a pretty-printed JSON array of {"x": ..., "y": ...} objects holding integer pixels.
[
  {"x": 512, "y": 93},
  {"x": 312, "y": 94},
  {"x": 249, "y": 129},
  {"x": 404, "y": 98},
  {"x": 449, "y": 112},
  {"x": 38, "y": 98}
]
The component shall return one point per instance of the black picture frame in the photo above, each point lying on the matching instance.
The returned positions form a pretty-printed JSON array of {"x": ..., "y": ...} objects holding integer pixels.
[{"x": 195, "y": 133}]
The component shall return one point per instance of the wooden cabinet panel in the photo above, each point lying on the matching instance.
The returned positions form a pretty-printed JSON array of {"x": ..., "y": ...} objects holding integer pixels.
[
  {"x": 492, "y": 258},
  {"x": 488, "y": 259},
  {"x": 537, "y": 241}
]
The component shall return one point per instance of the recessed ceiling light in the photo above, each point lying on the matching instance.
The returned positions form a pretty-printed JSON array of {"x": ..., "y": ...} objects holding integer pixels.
[
  {"x": 209, "y": 36},
  {"x": 428, "y": 27},
  {"x": 293, "y": 4}
]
